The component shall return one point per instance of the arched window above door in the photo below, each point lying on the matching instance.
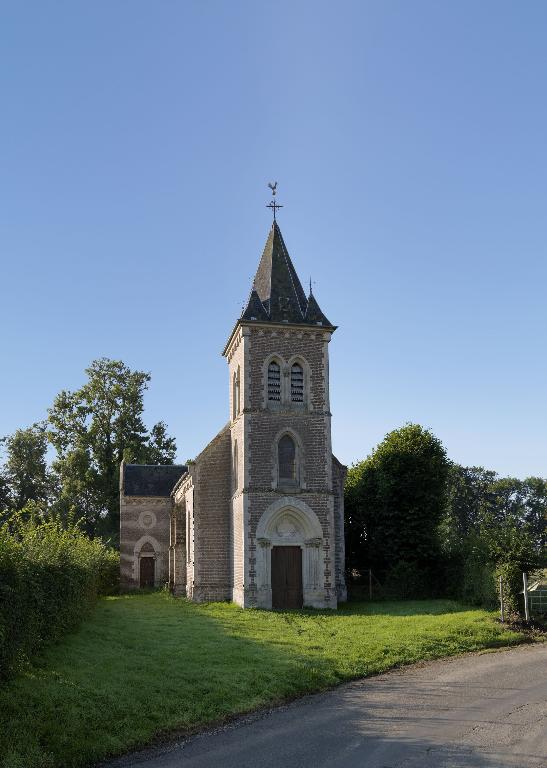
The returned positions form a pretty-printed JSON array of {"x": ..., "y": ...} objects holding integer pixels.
[{"x": 287, "y": 461}]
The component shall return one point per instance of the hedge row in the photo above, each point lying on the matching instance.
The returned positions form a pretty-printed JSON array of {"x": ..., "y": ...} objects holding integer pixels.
[{"x": 50, "y": 578}]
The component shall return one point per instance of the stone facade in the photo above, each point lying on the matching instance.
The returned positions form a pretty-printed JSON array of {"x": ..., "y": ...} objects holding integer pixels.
[
  {"x": 137, "y": 532},
  {"x": 257, "y": 428},
  {"x": 268, "y": 479}
]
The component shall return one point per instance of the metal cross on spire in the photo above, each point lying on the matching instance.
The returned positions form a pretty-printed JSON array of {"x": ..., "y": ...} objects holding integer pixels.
[{"x": 273, "y": 205}]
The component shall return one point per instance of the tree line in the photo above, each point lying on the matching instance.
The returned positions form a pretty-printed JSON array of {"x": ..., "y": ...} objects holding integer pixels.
[
  {"x": 67, "y": 466},
  {"x": 427, "y": 526}
]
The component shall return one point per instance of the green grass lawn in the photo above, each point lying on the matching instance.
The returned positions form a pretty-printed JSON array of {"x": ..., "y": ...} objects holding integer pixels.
[{"x": 146, "y": 664}]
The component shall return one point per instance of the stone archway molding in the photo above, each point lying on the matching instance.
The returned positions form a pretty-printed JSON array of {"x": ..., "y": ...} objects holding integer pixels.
[
  {"x": 146, "y": 540},
  {"x": 137, "y": 556},
  {"x": 288, "y": 507},
  {"x": 290, "y": 521}
]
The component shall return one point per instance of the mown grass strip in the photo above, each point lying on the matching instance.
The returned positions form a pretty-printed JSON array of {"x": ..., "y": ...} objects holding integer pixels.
[{"x": 147, "y": 664}]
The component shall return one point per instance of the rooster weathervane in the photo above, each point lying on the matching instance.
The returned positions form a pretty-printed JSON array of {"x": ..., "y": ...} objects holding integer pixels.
[{"x": 273, "y": 204}]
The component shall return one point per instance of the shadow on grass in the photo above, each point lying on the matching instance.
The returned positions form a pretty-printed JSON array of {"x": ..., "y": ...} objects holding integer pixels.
[
  {"x": 145, "y": 665},
  {"x": 392, "y": 721},
  {"x": 393, "y": 608},
  {"x": 142, "y": 665}
]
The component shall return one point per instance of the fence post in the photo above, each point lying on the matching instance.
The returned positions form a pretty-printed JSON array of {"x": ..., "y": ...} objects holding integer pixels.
[
  {"x": 502, "y": 611},
  {"x": 370, "y": 583},
  {"x": 526, "y": 609}
]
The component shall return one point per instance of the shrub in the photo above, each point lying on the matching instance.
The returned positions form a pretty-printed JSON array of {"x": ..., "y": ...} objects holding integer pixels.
[
  {"x": 50, "y": 578},
  {"x": 411, "y": 581},
  {"x": 478, "y": 585}
]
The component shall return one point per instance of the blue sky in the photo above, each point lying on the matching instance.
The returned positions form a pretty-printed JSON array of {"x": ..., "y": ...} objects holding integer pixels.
[{"x": 408, "y": 140}]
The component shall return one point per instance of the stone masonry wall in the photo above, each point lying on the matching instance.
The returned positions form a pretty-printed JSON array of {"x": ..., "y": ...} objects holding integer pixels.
[
  {"x": 212, "y": 537},
  {"x": 310, "y": 426},
  {"x": 144, "y": 519},
  {"x": 237, "y": 438}
]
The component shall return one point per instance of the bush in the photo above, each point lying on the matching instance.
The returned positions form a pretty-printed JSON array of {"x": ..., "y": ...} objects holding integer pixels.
[
  {"x": 409, "y": 581},
  {"x": 50, "y": 578},
  {"x": 478, "y": 586}
]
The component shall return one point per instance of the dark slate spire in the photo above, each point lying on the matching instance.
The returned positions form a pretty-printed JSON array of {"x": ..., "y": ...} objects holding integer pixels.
[
  {"x": 277, "y": 283},
  {"x": 277, "y": 295}
]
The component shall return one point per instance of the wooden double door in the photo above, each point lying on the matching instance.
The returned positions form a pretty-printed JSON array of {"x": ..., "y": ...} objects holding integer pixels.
[
  {"x": 287, "y": 577},
  {"x": 147, "y": 572}
]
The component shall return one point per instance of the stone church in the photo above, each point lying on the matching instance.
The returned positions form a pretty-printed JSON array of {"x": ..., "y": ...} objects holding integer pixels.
[{"x": 258, "y": 516}]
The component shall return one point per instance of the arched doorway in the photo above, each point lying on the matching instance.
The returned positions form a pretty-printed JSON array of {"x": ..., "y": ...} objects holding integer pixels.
[
  {"x": 290, "y": 562},
  {"x": 147, "y": 566}
]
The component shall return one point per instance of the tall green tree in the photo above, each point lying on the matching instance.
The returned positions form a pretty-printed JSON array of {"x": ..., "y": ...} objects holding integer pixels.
[
  {"x": 470, "y": 491},
  {"x": 395, "y": 500},
  {"x": 25, "y": 474},
  {"x": 480, "y": 498},
  {"x": 92, "y": 430},
  {"x": 493, "y": 526}
]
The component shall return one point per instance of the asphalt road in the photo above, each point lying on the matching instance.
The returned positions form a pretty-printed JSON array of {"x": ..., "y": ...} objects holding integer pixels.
[{"x": 486, "y": 710}]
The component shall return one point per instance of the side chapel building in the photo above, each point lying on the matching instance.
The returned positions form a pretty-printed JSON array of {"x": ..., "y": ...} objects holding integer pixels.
[{"x": 258, "y": 517}]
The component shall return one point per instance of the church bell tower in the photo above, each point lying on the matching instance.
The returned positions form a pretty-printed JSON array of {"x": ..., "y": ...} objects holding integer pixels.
[{"x": 286, "y": 506}]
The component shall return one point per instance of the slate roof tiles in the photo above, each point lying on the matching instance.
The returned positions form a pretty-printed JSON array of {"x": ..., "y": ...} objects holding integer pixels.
[{"x": 277, "y": 294}]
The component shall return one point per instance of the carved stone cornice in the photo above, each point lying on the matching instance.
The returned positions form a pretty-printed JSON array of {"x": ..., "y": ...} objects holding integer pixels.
[
  {"x": 235, "y": 341},
  {"x": 291, "y": 491},
  {"x": 150, "y": 500}
]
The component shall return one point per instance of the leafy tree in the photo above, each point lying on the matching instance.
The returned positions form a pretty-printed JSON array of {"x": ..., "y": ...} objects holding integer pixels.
[
  {"x": 160, "y": 446},
  {"x": 479, "y": 498},
  {"x": 25, "y": 475},
  {"x": 92, "y": 430},
  {"x": 534, "y": 493},
  {"x": 4, "y": 497},
  {"x": 469, "y": 491},
  {"x": 395, "y": 501},
  {"x": 493, "y": 526}
]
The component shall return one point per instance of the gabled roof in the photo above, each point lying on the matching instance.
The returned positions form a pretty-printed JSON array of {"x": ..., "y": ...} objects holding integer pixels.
[
  {"x": 277, "y": 295},
  {"x": 150, "y": 479}
]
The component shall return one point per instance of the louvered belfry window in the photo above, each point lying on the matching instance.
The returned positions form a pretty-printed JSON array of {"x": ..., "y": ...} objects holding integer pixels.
[
  {"x": 274, "y": 382},
  {"x": 286, "y": 457},
  {"x": 297, "y": 384}
]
